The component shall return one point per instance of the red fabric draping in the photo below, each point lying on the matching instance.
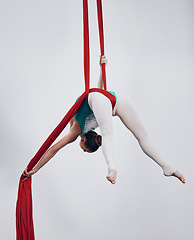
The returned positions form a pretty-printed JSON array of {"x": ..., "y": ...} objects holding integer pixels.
[{"x": 24, "y": 213}]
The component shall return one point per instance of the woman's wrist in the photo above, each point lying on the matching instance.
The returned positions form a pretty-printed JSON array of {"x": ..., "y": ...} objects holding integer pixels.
[{"x": 34, "y": 170}]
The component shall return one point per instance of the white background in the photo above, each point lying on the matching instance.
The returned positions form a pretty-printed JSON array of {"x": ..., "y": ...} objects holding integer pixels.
[{"x": 149, "y": 46}]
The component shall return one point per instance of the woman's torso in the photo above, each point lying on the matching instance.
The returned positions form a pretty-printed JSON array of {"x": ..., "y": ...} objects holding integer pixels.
[{"x": 85, "y": 117}]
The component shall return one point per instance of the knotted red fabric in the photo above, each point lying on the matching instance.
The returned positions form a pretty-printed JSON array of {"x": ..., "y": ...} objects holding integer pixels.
[{"x": 24, "y": 211}]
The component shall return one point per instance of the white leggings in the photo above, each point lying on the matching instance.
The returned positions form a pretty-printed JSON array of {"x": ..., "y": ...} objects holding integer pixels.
[{"x": 102, "y": 108}]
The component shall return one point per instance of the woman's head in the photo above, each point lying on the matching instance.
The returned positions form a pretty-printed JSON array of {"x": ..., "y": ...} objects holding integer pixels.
[{"x": 90, "y": 141}]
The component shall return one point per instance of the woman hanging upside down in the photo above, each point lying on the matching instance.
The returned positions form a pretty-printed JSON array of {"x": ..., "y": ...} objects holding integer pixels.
[{"x": 97, "y": 111}]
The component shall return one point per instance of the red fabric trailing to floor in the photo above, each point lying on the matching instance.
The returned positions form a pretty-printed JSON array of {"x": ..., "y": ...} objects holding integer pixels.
[
  {"x": 24, "y": 212},
  {"x": 24, "y": 220}
]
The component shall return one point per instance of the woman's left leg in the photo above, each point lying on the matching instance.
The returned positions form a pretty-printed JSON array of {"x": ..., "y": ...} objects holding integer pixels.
[{"x": 130, "y": 119}]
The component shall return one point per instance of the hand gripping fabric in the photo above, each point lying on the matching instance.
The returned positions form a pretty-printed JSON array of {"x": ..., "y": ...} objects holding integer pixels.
[{"x": 24, "y": 212}]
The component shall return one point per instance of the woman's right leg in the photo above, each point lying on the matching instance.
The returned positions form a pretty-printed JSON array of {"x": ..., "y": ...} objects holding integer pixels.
[
  {"x": 130, "y": 119},
  {"x": 102, "y": 109}
]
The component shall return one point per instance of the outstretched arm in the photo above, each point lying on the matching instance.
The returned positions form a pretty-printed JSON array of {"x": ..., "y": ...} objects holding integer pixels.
[
  {"x": 103, "y": 60},
  {"x": 69, "y": 138}
]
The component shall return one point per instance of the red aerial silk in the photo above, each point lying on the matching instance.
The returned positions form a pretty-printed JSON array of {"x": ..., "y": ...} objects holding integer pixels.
[
  {"x": 101, "y": 35},
  {"x": 24, "y": 213}
]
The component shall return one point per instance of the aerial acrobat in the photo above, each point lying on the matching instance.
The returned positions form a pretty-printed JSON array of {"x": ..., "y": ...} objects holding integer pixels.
[
  {"x": 97, "y": 111},
  {"x": 94, "y": 108}
]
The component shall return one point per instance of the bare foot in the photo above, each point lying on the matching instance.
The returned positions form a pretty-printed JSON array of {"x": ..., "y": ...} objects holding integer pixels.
[{"x": 179, "y": 176}]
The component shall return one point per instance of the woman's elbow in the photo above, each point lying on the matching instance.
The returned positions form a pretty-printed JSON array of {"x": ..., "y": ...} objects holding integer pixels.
[{"x": 52, "y": 151}]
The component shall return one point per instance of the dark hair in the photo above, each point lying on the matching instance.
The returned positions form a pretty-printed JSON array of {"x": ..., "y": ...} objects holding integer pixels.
[{"x": 93, "y": 141}]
